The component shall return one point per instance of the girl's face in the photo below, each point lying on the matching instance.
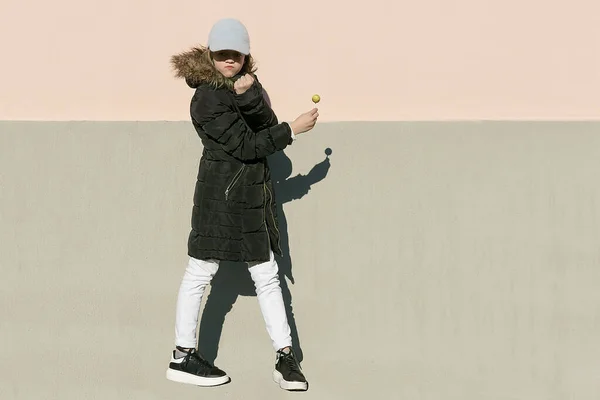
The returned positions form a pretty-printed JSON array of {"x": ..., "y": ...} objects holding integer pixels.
[{"x": 228, "y": 62}]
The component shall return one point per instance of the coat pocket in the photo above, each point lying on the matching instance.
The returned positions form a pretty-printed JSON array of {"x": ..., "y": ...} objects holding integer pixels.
[{"x": 234, "y": 180}]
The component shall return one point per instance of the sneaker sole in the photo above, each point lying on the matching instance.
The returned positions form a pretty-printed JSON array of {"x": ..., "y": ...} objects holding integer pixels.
[
  {"x": 184, "y": 377},
  {"x": 278, "y": 378}
]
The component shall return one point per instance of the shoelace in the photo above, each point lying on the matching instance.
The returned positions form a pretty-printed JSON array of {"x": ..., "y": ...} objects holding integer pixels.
[
  {"x": 290, "y": 362},
  {"x": 194, "y": 354}
]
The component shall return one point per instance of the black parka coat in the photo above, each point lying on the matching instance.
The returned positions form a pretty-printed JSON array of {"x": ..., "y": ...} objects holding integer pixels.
[{"x": 234, "y": 215}]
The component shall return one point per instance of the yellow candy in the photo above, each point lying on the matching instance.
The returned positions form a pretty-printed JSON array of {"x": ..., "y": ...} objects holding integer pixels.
[{"x": 316, "y": 98}]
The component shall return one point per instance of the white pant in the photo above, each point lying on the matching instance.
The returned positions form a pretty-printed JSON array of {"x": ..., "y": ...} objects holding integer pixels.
[{"x": 199, "y": 274}]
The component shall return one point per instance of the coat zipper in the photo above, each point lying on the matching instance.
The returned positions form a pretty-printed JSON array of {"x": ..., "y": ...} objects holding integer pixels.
[
  {"x": 273, "y": 218},
  {"x": 233, "y": 181},
  {"x": 265, "y": 219}
]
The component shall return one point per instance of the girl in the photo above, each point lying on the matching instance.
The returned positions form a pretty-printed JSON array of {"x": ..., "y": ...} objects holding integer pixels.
[{"x": 234, "y": 214}]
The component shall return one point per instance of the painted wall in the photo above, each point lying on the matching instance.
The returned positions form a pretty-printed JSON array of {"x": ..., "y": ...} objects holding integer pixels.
[
  {"x": 454, "y": 261},
  {"x": 437, "y": 260},
  {"x": 376, "y": 60}
]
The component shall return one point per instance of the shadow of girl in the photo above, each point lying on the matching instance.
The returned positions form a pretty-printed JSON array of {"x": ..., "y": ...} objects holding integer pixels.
[{"x": 233, "y": 279}]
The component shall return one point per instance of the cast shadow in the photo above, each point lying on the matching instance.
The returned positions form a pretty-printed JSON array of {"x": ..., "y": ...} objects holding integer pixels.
[{"x": 233, "y": 279}]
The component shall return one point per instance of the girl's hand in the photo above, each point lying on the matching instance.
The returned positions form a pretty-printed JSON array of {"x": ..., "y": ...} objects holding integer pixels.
[
  {"x": 243, "y": 84},
  {"x": 305, "y": 122}
]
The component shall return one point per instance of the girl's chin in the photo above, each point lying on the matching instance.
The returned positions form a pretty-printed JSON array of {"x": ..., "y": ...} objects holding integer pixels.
[{"x": 228, "y": 73}]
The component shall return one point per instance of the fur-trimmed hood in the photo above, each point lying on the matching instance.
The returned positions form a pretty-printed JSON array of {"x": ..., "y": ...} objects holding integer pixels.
[{"x": 196, "y": 68}]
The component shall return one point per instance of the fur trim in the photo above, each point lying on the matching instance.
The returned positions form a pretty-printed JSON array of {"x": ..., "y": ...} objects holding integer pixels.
[{"x": 196, "y": 67}]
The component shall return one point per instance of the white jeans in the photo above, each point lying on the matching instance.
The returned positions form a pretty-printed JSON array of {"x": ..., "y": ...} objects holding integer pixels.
[{"x": 199, "y": 274}]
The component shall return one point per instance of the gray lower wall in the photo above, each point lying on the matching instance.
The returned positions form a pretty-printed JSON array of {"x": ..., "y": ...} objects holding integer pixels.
[{"x": 429, "y": 261}]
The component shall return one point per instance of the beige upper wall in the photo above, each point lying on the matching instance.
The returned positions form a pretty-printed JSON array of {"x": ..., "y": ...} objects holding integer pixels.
[{"x": 377, "y": 60}]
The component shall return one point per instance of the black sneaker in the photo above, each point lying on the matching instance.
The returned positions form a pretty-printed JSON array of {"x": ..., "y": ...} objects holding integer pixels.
[
  {"x": 288, "y": 373},
  {"x": 195, "y": 370}
]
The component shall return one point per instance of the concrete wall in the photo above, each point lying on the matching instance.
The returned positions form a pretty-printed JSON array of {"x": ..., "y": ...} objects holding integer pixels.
[
  {"x": 429, "y": 261},
  {"x": 375, "y": 60}
]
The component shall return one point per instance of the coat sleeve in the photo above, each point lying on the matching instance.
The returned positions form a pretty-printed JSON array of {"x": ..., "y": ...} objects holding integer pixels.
[
  {"x": 225, "y": 126},
  {"x": 255, "y": 108}
]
